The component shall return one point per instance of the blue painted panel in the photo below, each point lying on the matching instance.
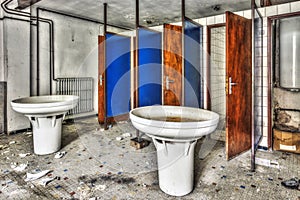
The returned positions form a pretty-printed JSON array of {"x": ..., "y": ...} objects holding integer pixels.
[
  {"x": 150, "y": 67},
  {"x": 192, "y": 63},
  {"x": 117, "y": 75}
]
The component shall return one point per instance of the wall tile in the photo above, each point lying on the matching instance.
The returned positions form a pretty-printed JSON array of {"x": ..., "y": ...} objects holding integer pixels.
[
  {"x": 271, "y": 10},
  {"x": 284, "y": 8},
  {"x": 210, "y": 20},
  {"x": 219, "y": 19},
  {"x": 202, "y": 21},
  {"x": 247, "y": 14},
  {"x": 295, "y": 6}
]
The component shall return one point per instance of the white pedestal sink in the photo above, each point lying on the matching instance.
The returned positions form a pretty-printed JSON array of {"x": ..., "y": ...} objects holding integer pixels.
[
  {"x": 175, "y": 131},
  {"x": 46, "y": 114}
]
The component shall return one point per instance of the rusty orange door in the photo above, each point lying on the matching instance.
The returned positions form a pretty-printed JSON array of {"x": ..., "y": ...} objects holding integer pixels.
[
  {"x": 238, "y": 84},
  {"x": 172, "y": 90}
]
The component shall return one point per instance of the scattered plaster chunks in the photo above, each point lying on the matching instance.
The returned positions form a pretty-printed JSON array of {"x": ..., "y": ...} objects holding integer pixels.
[{"x": 119, "y": 138}]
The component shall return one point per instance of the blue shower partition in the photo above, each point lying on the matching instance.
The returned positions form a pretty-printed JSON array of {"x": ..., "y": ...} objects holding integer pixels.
[
  {"x": 117, "y": 74},
  {"x": 149, "y": 67},
  {"x": 192, "y": 64}
]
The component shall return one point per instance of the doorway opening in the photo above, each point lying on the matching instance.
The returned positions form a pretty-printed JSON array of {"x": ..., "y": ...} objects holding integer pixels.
[{"x": 217, "y": 80}]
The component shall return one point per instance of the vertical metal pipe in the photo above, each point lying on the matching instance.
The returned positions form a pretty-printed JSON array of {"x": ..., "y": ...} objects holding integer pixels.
[
  {"x": 105, "y": 17},
  {"x": 52, "y": 51},
  {"x": 137, "y": 14},
  {"x": 252, "y": 109},
  {"x": 104, "y": 62},
  {"x": 182, "y": 10},
  {"x": 136, "y": 88},
  {"x": 37, "y": 54},
  {"x": 50, "y": 58},
  {"x": 182, "y": 52},
  {"x": 30, "y": 56},
  {"x": 136, "y": 48}
]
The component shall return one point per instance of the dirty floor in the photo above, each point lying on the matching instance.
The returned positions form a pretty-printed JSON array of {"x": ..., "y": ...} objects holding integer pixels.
[{"x": 98, "y": 166}]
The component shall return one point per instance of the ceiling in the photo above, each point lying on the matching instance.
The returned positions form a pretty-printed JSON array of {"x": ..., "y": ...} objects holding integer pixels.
[{"x": 151, "y": 12}]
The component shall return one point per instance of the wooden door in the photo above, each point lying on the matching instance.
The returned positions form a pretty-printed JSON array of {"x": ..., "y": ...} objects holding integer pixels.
[
  {"x": 101, "y": 78},
  {"x": 172, "y": 90},
  {"x": 238, "y": 84}
]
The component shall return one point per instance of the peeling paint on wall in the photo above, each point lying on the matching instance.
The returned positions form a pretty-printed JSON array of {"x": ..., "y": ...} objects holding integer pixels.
[{"x": 286, "y": 110}]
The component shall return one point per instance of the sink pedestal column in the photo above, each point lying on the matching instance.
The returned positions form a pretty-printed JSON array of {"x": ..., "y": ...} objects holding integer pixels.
[
  {"x": 175, "y": 166},
  {"x": 46, "y": 133}
]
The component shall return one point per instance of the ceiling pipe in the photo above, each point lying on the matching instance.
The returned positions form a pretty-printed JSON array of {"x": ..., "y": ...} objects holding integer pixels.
[{"x": 83, "y": 18}]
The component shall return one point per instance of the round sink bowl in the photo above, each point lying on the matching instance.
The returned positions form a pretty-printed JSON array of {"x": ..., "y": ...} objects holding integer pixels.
[
  {"x": 46, "y": 114},
  {"x": 174, "y": 131},
  {"x": 174, "y": 122},
  {"x": 44, "y": 105}
]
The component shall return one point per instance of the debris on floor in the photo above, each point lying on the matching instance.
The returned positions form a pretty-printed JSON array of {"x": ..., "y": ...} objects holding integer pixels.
[
  {"x": 119, "y": 138},
  {"x": 12, "y": 142},
  {"x": 23, "y": 155},
  {"x": 3, "y": 146},
  {"x": 60, "y": 154},
  {"x": 47, "y": 180},
  {"x": 126, "y": 135},
  {"x": 19, "y": 168},
  {"x": 139, "y": 143},
  {"x": 100, "y": 187},
  {"x": 31, "y": 177},
  {"x": 292, "y": 183}
]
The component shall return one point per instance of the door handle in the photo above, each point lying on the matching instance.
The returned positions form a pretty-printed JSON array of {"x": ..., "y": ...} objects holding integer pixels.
[
  {"x": 101, "y": 79},
  {"x": 230, "y": 84},
  {"x": 168, "y": 81}
]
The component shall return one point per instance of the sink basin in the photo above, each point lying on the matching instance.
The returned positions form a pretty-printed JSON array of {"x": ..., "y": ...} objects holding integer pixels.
[
  {"x": 44, "y": 105},
  {"x": 174, "y": 122}
]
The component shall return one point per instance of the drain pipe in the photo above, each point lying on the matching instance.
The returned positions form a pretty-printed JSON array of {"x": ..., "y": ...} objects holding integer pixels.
[{"x": 51, "y": 50}]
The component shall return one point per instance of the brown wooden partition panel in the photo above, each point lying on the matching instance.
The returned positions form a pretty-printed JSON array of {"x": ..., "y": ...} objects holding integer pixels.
[
  {"x": 172, "y": 90},
  {"x": 238, "y": 84},
  {"x": 101, "y": 78}
]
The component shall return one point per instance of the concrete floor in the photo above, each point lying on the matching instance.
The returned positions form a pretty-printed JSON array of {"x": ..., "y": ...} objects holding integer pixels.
[{"x": 97, "y": 166}]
